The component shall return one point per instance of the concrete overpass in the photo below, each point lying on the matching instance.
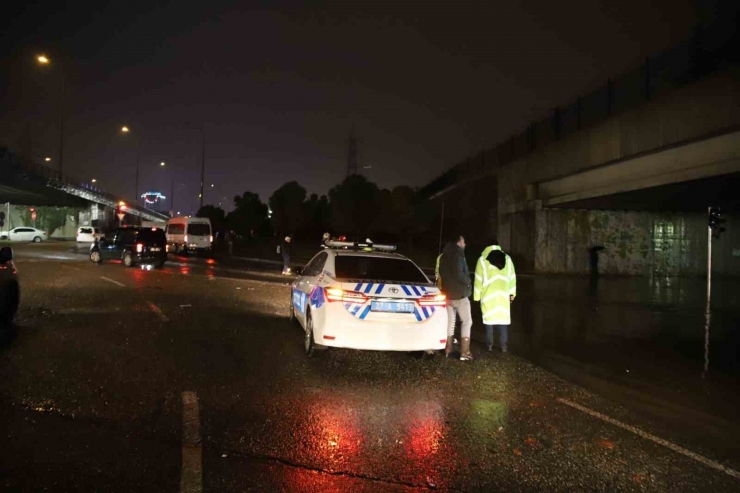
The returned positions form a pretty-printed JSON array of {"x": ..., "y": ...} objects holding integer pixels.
[
  {"x": 637, "y": 180},
  {"x": 26, "y": 184}
]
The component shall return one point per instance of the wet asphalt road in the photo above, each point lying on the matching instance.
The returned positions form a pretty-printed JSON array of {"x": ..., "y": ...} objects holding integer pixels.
[{"x": 91, "y": 399}]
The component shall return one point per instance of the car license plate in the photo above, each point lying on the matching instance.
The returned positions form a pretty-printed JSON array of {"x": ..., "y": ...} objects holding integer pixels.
[
  {"x": 156, "y": 249},
  {"x": 390, "y": 306}
]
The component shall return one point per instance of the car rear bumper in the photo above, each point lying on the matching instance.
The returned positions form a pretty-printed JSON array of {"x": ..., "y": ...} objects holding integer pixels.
[
  {"x": 150, "y": 258},
  {"x": 340, "y": 329}
]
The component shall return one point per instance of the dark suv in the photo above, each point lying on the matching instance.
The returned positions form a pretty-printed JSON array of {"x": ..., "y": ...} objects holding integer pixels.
[{"x": 132, "y": 245}]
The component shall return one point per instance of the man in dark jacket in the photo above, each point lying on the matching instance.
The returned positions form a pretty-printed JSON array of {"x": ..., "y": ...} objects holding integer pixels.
[
  {"x": 285, "y": 252},
  {"x": 457, "y": 285}
]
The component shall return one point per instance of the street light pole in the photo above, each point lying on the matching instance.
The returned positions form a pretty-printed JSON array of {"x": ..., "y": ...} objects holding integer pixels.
[
  {"x": 61, "y": 124},
  {"x": 136, "y": 192},
  {"x": 43, "y": 60},
  {"x": 202, "y": 162}
]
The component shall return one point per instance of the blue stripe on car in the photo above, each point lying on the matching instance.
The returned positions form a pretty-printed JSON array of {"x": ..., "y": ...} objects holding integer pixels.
[
  {"x": 368, "y": 288},
  {"x": 406, "y": 290},
  {"x": 365, "y": 312},
  {"x": 380, "y": 288}
]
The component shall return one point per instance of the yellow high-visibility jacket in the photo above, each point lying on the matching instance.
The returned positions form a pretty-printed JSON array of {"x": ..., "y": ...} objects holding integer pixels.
[{"x": 493, "y": 287}]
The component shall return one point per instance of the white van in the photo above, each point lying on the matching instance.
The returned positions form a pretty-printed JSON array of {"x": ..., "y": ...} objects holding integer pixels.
[
  {"x": 88, "y": 234},
  {"x": 189, "y": 234}
]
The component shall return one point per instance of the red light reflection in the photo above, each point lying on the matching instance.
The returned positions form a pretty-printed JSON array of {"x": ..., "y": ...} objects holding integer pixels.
[{"x": 184, "y": 270}]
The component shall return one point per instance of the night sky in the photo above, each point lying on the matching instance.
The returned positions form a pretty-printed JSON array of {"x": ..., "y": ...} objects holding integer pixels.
[{"x": 277, "y": 85}]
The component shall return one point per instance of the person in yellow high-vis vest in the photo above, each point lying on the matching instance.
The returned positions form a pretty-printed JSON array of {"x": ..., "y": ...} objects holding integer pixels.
[{"x": 495, "y": 288}]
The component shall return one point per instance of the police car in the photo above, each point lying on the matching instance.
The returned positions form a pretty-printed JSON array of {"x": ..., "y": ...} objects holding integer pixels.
[{"x": 364, "y": 296}]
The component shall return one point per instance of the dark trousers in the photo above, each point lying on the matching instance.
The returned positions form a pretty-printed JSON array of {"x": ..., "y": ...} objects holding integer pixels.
[{"x": 503, "y": 332}]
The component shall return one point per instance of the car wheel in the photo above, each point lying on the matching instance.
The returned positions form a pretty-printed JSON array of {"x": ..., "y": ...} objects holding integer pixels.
[
  {"x": 292, "y": 310},
  {"x": 95, "y": 256},
  {"x": 128, "y": 259},
  {"x": 9, "y": 306},
  {"x": 37, "y": 239},
  {"x": 309, "y": 345}
]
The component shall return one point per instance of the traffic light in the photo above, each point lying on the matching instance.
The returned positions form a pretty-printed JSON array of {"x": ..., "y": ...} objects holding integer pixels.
[{"x": 716, "y": 221}]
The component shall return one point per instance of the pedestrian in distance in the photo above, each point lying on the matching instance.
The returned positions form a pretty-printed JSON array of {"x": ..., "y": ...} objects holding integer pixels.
[
  {"x": 457, "y": 286},
  {"x": 495, "y": 288},
  {"x": 284, "y": 250},
  {"x": 229, "y": 242}
]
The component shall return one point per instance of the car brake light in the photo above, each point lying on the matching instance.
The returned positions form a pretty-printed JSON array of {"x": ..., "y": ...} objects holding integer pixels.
[
  {"x": 139, "y": 247},
  {"x": 186, "y": 238},
  {"x": 337, "y": 294},
  {"x": 167, "y": 248},
  {"x": 432, "y": 300},
  {"x": 211, "y": 238}
]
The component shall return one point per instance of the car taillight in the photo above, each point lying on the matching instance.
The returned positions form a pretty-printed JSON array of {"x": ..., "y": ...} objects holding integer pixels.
[
  {"x": 186, "y": 238},
  {"x": 337, "y": 294},
  {"x": 167, "y": 248},
  {"x": 211, "y": 238},
  {"x": 432, "y": 300},
  {"x": 139, "y": 247}
]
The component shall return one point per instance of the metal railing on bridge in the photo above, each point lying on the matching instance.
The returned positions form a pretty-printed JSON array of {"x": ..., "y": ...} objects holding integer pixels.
[{"x": 11, "y": 163}]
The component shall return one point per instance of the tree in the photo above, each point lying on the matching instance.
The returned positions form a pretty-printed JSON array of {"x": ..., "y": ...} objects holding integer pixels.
[
  {"x": 287, "y": 208},
  {"x": 317, "y": 215},
  {"x": 249, "y": 217},
  {"x": 48, "y": 218},
  {"x": 354, "y": 207},
  {"x": 216, "y": 215}
]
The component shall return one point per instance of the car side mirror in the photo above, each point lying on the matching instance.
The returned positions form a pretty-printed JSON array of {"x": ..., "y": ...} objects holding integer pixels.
[{"x": 6, "y": 254}]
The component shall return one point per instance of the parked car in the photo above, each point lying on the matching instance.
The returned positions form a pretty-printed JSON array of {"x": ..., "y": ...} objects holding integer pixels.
[
  {"x": 132, "y": 246},
  {"x": 25, "y": 234},
  {"x": 189, "y": 234},
  {"x": 88, "y": 234},
  {"x": 364, "y": 296},
  {"x": 10, "y": 291}
]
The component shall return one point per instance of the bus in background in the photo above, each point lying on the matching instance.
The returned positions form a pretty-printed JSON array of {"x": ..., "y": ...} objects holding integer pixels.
[{"x": 189, "y": 234}]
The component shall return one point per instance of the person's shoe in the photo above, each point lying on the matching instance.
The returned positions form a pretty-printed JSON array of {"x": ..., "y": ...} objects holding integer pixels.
[
  {"x": 504, "y": 349},
  {"x": 490, "y": 348},
  {"x": 449, "y": 347},
  {"x": 465, "y": 354}
]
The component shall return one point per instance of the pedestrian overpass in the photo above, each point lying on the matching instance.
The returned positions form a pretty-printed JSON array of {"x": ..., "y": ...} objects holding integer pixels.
[{"x": 28, "y": 184}]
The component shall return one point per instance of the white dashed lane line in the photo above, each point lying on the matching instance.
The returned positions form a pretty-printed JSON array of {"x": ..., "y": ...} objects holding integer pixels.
[
  {"x": 685, "y": 452},
  {"x": 191, "y": 476},
  {"x": 159, "y": 312},
  {"x": 114, "y": 282}
]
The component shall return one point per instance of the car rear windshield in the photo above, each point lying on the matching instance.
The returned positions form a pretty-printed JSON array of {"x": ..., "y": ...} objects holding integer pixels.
[
  {"x": 199, "y": 229},
  {"x": 377, "y": 268},
  {"x": 86, "y": 231},
  {"x": 151, "y": 235}
]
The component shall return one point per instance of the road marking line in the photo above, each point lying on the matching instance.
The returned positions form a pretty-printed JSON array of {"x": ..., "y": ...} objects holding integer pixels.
[
  {"x": 191, "y": 477},
  {"x": 653, "y": 438},
  {"x": 159, "y": 312},
  {"x": 114, "y": 282}
]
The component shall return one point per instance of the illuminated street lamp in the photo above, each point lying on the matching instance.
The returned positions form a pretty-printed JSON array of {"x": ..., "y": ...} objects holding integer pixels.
[
  {"x": 124, "y": 129},
  {"x": 47, "y": 159},
  {"x": 162, "y": 163},
  {"x": 93, "y": 180},
  {"x": 44, "y": 60}
]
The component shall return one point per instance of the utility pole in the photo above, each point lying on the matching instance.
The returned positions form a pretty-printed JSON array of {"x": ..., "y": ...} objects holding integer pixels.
[
  {"x": 707, "y": 310},
  {"x": 202, "y": 163},
  {"x": 61, "y": 125},
  {"x": 352, "y": 152}
]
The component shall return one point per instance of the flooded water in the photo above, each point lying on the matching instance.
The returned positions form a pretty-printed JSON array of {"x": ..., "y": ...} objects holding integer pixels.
[{"x": 653, "y": 331}]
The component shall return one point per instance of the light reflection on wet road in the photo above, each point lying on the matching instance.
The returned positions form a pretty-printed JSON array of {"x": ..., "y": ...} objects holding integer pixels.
[{"x": 91, "y": 385}]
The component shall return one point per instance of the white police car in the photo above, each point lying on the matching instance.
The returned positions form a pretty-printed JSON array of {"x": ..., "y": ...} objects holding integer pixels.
[{"x": 362, "y": 296}]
